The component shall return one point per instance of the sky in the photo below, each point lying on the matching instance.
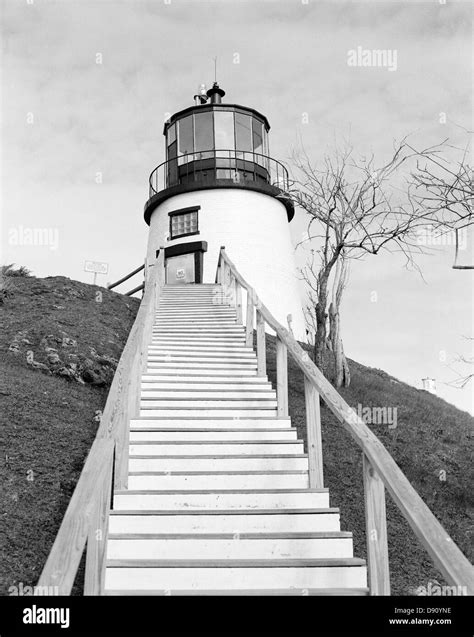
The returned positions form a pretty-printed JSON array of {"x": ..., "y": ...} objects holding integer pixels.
[{"x": 87, "y": 85}]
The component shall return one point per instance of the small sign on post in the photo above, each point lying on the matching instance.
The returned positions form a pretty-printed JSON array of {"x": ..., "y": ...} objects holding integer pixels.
[{"x": 96, "y": 267}]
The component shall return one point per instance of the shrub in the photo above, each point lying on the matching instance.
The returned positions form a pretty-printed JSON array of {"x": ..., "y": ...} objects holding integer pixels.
[{"x": 9, "y": 270}]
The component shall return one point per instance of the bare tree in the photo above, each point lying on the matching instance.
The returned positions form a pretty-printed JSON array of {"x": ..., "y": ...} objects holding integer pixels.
[
  {"x": 443, "y": 185},
  {"x": 352, "y": 211},
  {"x": 463, "y": 378}
]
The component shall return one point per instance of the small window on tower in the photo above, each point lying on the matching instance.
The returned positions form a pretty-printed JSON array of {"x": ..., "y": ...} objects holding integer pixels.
[{"x": 183, "y": 223}]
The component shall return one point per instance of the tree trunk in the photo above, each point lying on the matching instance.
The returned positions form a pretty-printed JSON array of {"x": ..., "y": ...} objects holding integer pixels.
[
  {"x": 320, "y": 338},
  {"x": 342, "y": 376}
]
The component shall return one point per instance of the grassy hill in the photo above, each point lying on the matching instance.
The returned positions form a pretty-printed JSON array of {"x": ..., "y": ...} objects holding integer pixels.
[{"x": 60, "y": 342}]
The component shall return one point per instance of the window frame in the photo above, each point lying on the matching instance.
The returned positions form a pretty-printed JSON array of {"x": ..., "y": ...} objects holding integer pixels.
[{"x": 183, "y": 211}]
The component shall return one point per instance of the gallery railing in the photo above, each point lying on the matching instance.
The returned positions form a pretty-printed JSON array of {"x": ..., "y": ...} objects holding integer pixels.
[{"x": 211, "y": 166}]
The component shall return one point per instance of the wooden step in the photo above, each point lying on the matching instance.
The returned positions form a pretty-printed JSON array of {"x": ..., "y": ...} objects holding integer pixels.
[
  {"x": 207, "y": 403},
  {"x": 209, "y": 354},
  {"x": 207, "y": 315},
  {"x": 174, "y": 347},
  {"x": 231, "y": 379},
  {"x": 208, "y": 413},
  {"x": 200, "y": 357},
  {"x": 323, "y": 546},
  {"x": 204, "y": 293},
  {"x": 201, "y": 370},
  {"x": 227, "y": 521},
  {"x": 206, "y": 395},
  {"x": 210, "y": 480},
  {"x": 203, "y": 364},
  {"x": 149, "y": 388},
  {"x": 226, "y": 339},
  {"x": 195, "y": 320},
  {"x": 224, "y": 463},
  {"x": 245, "y": 592},
  {"x": 198, "y": 330},
  {"x": 221, "y": 500},
  {"x": 202, "y": 422},
  {"x": 152, "y": 448},
  {"x": 182, "y": 304},
  {"x": 217, "y": 310},
  {"x": 223, "y": 307},
  {"x": 192, "y": 343},
  {"x": 232, "y": 574},
  {"x": 214, "y": 435}
]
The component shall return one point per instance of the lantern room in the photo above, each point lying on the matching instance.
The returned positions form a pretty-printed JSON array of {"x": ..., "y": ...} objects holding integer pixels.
[{"x": 217, "y": 145}]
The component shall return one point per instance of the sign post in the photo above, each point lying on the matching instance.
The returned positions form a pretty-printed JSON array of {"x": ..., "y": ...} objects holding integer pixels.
[{"x": 96, "y": 267}]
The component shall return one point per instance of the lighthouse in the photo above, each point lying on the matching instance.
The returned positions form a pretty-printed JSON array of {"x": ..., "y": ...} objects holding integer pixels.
[{"x": 219, "y": 186}]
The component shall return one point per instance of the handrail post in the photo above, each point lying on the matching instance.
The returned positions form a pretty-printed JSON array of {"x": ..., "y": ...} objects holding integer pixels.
[
  {"x": 261, "y": 353},
  {"x": 225, "y": 287},
  {"x": 314, "y": 440},
  {"x": 249, "y": 320},
  {"x": 161, "y": 279},
  {"x": 282, "y": 378},
  {"x": 238, "y": 301},
  {"x": 376, "y": 530},
  {"x": 220, "y": 277},
  {"x": 97, "y": 539}
]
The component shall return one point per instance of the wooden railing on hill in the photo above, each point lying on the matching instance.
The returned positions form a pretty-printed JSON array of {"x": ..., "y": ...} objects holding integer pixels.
[
  {"x": 111, "y": 286},
  {"x": 86, "y": 518},
  {"x": 379, "y": 472}
]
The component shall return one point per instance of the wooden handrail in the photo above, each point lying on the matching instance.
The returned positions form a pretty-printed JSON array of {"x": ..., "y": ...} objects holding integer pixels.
[
  {"x": 446, "y": 556},
  {"x": 137, "y": 289},
  {"x": 126, "y": 277},
  {"x": 65, "y": 555},
  {"x": 86, "y": 518},
  {"x": 123, "y": 398}
]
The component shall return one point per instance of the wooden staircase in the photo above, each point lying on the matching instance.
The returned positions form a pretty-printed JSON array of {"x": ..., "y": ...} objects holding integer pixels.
[
  {"x": 218, "y": 498},
  {"x": 196, "y": 482}
]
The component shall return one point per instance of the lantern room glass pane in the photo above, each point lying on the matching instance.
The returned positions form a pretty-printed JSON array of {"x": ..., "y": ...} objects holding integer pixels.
[
  {"x": 266, "y": 150},
  {"x": 171, "y": 134},
  {"x": 185, "y": 135},
  {"x": 257, "y": 136},
  {"x": 224, "y": 130},
  {"x": 172, "y": 165},
  {"x": 203, "y": 131},
  {"x": 243, "y": 132}
]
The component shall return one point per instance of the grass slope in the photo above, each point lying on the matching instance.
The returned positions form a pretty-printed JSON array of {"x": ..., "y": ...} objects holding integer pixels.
[
  {"x": 48, "y": 422},
  {"x": 48, "y": 414}
]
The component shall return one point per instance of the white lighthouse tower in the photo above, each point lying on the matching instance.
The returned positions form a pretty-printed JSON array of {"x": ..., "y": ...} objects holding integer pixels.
[{"x": 220, "y": 187}]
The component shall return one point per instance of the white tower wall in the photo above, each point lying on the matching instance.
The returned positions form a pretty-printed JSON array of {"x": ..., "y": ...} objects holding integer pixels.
[{"x": 254, "y": 229}]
